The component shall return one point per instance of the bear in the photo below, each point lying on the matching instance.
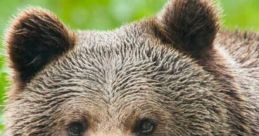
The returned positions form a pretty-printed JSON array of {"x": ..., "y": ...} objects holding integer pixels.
[{"x": 178, "y": 73}]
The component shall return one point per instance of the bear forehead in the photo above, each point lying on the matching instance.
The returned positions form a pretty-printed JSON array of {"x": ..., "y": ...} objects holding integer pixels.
[{"x": 117, "y": 66}]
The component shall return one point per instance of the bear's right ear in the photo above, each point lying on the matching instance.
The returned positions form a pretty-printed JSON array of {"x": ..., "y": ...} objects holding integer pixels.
[{"x": 34, "y": 39}]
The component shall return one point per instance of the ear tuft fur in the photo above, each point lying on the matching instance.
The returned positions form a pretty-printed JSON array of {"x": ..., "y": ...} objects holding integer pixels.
[
  {"x": 35, "y": 38},
  {"x": 190, "y": 25}
]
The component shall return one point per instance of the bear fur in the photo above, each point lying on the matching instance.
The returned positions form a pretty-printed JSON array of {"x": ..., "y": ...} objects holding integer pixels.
[{"x": 176, "y": 74}]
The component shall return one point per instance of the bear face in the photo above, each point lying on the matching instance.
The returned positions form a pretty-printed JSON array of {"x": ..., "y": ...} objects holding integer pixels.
[
  {"x": 114, "y": 86},
  {"x": 161, "y": 76}
]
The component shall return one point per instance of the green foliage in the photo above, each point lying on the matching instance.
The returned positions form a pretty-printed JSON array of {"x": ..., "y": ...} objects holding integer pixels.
[
  {"x": 109, "y": 14},
  {"x": 241, "y": 14}
]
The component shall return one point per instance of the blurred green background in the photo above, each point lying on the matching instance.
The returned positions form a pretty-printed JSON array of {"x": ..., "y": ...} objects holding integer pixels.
[{"x": 109, "y": 14}]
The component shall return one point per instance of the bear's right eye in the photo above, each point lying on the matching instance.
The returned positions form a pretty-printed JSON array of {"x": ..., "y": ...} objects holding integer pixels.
[
  {"x": 145, "y": 127},
  {"x": 76, "y": 129}
]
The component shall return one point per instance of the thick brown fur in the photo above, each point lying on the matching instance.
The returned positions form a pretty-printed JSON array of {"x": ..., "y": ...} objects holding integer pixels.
[
  {"x": 178, "y": 69},
  {"x": 191, "y": 26}
]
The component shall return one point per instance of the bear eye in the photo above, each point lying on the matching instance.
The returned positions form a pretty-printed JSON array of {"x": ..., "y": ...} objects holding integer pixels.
[
  {"x": 145, "y": 127},
  {"x": 76, "y": 129}
]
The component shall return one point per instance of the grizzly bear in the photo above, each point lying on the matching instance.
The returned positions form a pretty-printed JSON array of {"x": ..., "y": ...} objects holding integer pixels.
[{"x": 175, "y": 74}]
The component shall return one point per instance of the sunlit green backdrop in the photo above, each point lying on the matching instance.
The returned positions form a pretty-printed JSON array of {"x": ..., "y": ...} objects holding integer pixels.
[{"x": 109, "y": 14}]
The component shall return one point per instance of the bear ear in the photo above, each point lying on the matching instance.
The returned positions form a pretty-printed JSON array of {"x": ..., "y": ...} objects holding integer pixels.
[
  {"x": 189, "y": 25},
  {"x": 34, "y": 39}
]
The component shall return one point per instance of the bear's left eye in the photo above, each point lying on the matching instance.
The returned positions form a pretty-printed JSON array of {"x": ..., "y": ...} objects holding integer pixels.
[
  {"x": 145, "y": 127},
  {"x": 76, "y": 129}
]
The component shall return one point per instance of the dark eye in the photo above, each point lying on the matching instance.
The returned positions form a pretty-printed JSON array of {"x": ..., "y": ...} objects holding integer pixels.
[
  {"x": 76, "y": 129},
  {"x": 145, "y": 127}
]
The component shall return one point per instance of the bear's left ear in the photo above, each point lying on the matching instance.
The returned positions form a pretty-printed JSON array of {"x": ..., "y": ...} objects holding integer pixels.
[
  {"x": 189, "y": 25},
  {"x": 34, "y": 39}
]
